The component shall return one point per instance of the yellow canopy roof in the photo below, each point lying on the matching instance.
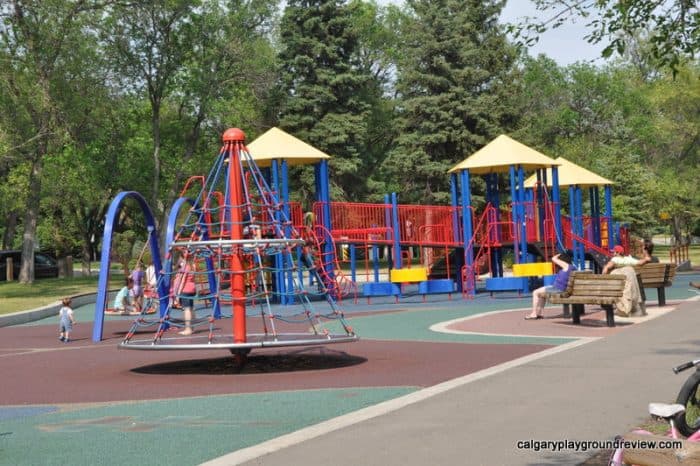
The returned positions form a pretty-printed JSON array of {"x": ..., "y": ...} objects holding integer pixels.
[
  {"x": 571, "y": 174},
  {"x": 275, "y": 144},
  {"x": 500, "y": 154}
]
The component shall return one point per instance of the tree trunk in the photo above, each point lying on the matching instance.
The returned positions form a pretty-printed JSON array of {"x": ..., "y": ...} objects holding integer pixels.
[
  {"x": 85, "y": 257},
  {"x": 676, "y": 230},
  {"x": 26, "y": 274},
  {"x": 8, "y": 237},
  {"x": 155, "y": 127}
]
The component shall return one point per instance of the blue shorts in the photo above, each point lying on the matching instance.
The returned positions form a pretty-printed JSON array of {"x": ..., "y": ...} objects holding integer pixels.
[
  {"x": 552, "y": 289},
  {"x": 186, "y": 301}
]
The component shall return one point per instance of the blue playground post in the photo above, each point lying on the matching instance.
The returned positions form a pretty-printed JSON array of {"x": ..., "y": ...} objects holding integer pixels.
[
  {"x": 608, "y": 213},
  {"x": 514, "y": 213},
  {"x": 280, "y": 283},
  {"x": 572, "y": 214},
  {"x": 388, "y": 225},
  {"x": 283, "y": 198},
  {"x": 353, "y": 266},
  {"x": 595, "y": 213},
  {"x": 492, "y": 199},
  {"x": 467, "y": 227},
  {"x": 556, "y": 198},
  {"x": 455, "y": 202},
  {"x": 325, "y": 198},
  {"x": 579, "y": 224},
  {"x": 375, "y": 261},
  {"x": 540, "y": 203},
  {"x": 397, "y": 231},
  {"x": 523, "y": 217},
  {"x": 497, "y": 255}
]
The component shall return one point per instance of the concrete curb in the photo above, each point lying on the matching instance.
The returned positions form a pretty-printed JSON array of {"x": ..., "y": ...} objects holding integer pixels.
[{"x": 23, "y": 317}]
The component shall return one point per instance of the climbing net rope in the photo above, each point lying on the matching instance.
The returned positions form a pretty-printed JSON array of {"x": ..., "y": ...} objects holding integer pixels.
[{"x": 242, "y": 257}]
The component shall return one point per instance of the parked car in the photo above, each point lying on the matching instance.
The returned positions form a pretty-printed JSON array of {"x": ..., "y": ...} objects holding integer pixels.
[{"x": 45, "y": 266}]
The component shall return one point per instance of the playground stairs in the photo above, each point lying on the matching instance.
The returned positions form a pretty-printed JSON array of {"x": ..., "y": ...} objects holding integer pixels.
[
  {"x": 337, "y": 283},
  {"x": 455, "y": 258}
]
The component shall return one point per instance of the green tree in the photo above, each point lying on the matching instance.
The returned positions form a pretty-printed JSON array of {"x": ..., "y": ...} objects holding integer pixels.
[
  {"x": 198, "y": 64},
  {"x": 637, "y": 130},
  {"x": 379, "y": 48},
  {"x": 674, "y": 148},
  {"x": 453, "y": 88},
  {"x": 148, "y": 42},
  {"x": 671, "y": 26},
  {"x": 325, "y": 90},
  {"x": 39, "y": 48},
  {"x": 224, "y": 82}
]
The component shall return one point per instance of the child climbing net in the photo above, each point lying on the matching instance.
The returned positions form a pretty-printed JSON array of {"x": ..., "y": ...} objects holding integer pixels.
[{"x": 244, "y": 260}]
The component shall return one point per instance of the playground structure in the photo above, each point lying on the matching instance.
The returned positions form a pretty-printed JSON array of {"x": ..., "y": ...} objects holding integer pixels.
[
  {"x": 235, "y": 237},
  {"x": 254, "y": 248}
]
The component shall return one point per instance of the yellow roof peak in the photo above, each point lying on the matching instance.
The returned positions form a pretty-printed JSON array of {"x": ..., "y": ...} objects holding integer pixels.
[
  {"x": 500, "y": 154},
  {"x": 571, "y": 174},
  {"x": 276, "y": 144}
]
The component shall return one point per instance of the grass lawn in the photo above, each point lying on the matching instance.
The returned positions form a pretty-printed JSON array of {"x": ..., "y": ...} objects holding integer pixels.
[
  {"x": 15, "y": 297},
  {"x": 661, "y": 252}
]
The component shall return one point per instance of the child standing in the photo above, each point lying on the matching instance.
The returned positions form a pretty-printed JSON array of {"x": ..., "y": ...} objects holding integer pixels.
[
  {"x": 137, "y": 291},
  {"x": 66, "y": 320}
]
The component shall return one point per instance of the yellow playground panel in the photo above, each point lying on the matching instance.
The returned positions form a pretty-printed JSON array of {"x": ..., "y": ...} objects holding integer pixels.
[
  {"x": 536, "y": 269},
  {"x": 417, "y": 274}
]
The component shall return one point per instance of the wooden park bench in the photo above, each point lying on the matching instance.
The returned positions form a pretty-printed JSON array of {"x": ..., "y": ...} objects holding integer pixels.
[
  {"x": 657, "y": 275},
  {"x": 589, "y": 288}
]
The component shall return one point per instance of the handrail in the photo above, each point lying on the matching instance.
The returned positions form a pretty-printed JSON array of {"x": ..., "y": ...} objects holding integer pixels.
[
  {"x": 587, "y": 244},
  {"x": 340, "y": 284},
  {"x": 468, "y": 280}
]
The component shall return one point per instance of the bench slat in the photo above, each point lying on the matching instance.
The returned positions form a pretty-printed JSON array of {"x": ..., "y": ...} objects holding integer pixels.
[
  {"x": 657, "y": 275},
  {"x": 587, "y": 288},
  {"x": 585, "y": 300},
  {"x": 596, "y": 287}
]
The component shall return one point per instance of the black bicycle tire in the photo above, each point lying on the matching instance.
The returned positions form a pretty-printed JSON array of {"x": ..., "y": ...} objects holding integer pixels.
[{"x": 688, "y": 390}]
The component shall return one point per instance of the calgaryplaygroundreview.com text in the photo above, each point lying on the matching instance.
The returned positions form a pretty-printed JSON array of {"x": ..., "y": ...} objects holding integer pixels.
[{"x": 587, "y": 445}]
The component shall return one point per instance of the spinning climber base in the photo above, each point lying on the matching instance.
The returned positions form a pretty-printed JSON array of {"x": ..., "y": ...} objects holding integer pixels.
[{"x": 236, "y": 238}]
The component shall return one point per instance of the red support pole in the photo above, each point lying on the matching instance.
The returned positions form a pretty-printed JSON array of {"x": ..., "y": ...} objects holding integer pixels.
[{"x": 233, "y": 140}]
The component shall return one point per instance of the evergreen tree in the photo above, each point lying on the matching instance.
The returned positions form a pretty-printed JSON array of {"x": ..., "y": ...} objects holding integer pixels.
[
  {"x": 452, "y": 83},
  {"x": 325, "y": 101}
]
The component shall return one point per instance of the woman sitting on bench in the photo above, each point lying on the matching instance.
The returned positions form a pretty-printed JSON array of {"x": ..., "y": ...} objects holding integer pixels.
[{"x": 561, "y": 279}]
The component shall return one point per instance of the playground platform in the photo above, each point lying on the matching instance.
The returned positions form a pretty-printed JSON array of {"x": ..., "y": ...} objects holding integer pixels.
[{"x": 440, "y": 382}]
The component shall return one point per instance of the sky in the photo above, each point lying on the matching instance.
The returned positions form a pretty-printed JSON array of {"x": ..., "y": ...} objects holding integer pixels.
[{"x": 566, "y": 44}]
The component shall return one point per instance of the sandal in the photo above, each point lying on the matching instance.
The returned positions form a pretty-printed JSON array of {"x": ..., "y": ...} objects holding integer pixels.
[{"x": 533, "y": 317}]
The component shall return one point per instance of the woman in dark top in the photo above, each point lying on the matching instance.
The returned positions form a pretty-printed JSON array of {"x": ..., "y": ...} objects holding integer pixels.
[{"x": 539, "y": 296}]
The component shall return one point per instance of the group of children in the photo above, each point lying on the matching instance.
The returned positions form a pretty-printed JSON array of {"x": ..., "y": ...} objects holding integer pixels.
[{"x": 130, "y": 297}]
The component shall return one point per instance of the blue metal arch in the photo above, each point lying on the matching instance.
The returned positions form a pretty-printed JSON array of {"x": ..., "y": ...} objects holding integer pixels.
[{"x": 102, "y": 284}]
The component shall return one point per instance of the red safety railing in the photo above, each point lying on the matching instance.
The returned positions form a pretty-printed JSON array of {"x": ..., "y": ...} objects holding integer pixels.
[
  {"x": 429, "y": 225},
  {"x": 419, "y": 225}
]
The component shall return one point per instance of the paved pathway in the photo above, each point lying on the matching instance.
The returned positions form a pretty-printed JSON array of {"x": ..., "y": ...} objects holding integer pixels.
[
  {"x": 590, "y": 392},
  {"x": 423, "y": 386}
]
